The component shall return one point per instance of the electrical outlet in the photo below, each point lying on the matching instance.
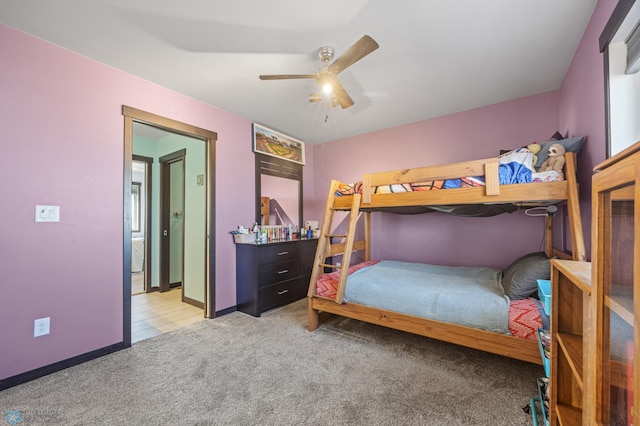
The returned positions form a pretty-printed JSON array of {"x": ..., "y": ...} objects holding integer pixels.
[{"x": 41, "y": 327}]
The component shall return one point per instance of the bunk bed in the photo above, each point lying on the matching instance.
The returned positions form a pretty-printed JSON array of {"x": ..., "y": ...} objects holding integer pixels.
[{"x": 490, "y": 196}]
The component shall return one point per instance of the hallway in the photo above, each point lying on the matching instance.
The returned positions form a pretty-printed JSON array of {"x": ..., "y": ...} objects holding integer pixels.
[{"x": 155, "y": 313}]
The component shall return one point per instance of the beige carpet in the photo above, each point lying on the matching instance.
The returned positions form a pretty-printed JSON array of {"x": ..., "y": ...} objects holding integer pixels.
[{"x": 241, "y": 370}]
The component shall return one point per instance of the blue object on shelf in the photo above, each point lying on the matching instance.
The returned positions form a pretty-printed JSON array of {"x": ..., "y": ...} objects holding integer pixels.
[
  {"x": 540, "y": 399},
  {"x": 534, "y": 412},
  {"x": 546, "y": 362},
  {"x": 544, "y": 293}
]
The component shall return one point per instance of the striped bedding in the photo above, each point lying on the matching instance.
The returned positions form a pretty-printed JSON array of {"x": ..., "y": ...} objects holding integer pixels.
[
  {"x": 513, "y": 167},
  {"x": 524, "y": 315}
]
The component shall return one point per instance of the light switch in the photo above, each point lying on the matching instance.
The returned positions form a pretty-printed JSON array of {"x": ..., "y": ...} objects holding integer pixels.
[{"x": 47, "y": 213}]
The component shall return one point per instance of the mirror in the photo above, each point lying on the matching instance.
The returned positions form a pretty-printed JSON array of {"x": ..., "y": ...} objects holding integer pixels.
[
  {"x": 278, "y": 191},
  {"x": 135, "y": 206},
  {"x": 279, "y": 200}
]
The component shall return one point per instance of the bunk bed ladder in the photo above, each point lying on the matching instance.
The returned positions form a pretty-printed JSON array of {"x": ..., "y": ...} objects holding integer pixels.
[{"x": 327, "y": 249}]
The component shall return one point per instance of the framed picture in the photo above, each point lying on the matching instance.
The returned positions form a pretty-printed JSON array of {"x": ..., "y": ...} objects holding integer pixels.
[{"x": 270, "y": 142}]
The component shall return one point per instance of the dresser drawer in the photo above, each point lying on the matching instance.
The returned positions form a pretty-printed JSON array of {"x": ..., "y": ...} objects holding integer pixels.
[
  {"x": 272, "y": 273},
  {"x": 277, "y": 253},
  {"x": 281, "y": 293}
]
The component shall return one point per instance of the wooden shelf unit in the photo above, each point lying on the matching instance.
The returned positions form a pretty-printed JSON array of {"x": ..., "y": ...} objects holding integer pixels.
[
  {"x": 613, "y": 370},
  {"x": 570, "y": 292}
]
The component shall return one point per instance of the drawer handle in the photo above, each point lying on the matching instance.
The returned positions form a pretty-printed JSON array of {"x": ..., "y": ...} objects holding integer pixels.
[
  {"x": 284, "y": 271},
  {"x": 282, "y": 253},
  {"x": 283, "y": 292}
]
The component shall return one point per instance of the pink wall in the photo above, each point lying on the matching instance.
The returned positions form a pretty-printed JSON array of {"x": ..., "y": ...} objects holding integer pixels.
[
  {"x": 62, "y": 143},
  {"x": 582, "y": 105},
  {"x": 62, "y": 140},
  {"x": 577, "y": 108}
]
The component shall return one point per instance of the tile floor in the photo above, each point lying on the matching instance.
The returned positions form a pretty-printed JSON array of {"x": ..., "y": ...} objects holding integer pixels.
[{"x": 155, "y": 313}]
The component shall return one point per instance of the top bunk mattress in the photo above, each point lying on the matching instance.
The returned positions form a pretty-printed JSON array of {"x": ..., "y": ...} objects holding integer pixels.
[
  {"x": 513, "y": 167},
  {"x": 467, "y": 196}
]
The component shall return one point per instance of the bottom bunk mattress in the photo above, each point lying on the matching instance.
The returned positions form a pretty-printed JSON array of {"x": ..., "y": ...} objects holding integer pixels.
[{"x": 469, "y": 296}]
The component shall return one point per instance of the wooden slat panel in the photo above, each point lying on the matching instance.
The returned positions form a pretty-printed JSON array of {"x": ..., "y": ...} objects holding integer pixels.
[
  {"x": 501, "y": 344},
  {"x": 572, "y": 347},
  {"x": 323, "y": 243},
  {"x": 339, "y": 248},
  {"x": 428, "y": 173},
  {"x": 366, "y": 189},
  {"x": 367, "y": 236},
  {"x": 348, "y": 248},
  {"x": 491, "y": 179},
  {"x": 548, "y": 236},
  {"x": 573, "y": 207},
  {"x": 540, "y": 192}
]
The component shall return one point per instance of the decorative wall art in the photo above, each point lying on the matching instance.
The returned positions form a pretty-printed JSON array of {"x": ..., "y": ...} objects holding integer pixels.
[{"x": 270, "y": 142}]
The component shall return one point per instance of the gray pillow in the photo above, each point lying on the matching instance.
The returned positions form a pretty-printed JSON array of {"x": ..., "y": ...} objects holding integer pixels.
[
  {"x": 520, "y": 279},
  {"x": 573, "y": 144}
]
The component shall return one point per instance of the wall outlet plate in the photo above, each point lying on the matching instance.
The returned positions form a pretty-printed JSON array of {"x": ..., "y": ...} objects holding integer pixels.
[
  {"x": 47, "y": 213},
  {"x": 41, "y": 327}
]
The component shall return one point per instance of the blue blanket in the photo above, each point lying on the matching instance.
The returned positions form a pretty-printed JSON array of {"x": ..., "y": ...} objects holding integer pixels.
[
  {"x": 515, "y": 167},
  {"x": 469, "y": 296}
]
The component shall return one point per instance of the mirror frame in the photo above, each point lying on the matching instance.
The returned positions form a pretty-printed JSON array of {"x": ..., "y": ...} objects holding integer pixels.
[{"x": 272, "y": 166}]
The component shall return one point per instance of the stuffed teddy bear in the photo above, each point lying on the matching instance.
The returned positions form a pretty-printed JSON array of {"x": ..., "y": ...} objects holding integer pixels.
[
  {"x": 555, "y": 160},
  {"x": 535, "y": 149}
]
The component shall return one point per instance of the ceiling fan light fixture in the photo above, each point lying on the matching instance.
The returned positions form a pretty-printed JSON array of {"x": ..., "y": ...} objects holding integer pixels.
[{"x": 326, "y": 77}]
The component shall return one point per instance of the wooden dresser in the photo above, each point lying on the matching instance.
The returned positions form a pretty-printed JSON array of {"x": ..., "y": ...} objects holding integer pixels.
[{"x": 273, "y": 274}]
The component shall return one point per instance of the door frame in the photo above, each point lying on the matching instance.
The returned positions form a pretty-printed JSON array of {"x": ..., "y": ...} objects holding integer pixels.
[
  {"x": 165, "y": 219},
  {"x": 133, "y": 114},
  {"x": 147, "y": 265}
]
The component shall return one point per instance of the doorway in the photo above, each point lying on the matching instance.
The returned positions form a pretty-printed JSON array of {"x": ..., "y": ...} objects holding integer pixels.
[
  {"x": 204, "y": 183},
  {"x": 173, "y": 212},
  {"x": 140, "y": 221}
]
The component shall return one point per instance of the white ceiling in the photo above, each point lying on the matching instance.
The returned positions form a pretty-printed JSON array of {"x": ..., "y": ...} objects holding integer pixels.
[{"x": 436, "y": 57}]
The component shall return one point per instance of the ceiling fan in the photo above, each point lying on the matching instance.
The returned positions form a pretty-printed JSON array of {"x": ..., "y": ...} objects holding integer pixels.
[{"x": 327, "y": 75}]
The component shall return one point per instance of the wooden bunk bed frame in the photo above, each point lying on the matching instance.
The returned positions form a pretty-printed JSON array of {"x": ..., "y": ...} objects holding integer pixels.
[{"x": 528, "y": 194}]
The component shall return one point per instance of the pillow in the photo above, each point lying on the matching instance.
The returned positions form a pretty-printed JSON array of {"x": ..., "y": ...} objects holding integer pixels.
[
  {"x": 557, "y": 136},
  {"x": 520, "y": 279},
  {"x": 573, "y": 144}
]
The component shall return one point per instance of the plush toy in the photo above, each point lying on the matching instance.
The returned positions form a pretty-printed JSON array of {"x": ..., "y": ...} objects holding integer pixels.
[
  {"x": 535, "y": 149},
  {"x": 555, "y": 160}
]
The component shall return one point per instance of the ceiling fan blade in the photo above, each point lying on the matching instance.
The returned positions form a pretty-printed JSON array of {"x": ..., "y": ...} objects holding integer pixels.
[
  {"x": 343, "y": 98},
  {"x": 359, "y": 50},
  {"x": 286, "y": 76}
]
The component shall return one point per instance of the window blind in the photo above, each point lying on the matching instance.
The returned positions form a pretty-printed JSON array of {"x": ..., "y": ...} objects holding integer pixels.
[{"x": 633, "y": 51}]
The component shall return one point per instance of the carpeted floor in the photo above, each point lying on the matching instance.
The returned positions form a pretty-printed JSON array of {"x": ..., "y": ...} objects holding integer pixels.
[{"x": 241, "y": 370}]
